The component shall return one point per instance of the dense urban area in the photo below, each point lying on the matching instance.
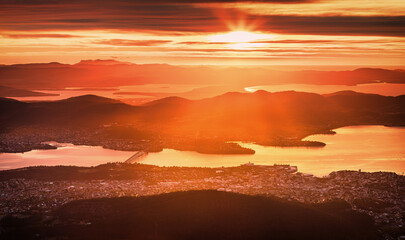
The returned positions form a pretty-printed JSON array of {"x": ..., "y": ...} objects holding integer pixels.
[{"x": 43, "y": 189}]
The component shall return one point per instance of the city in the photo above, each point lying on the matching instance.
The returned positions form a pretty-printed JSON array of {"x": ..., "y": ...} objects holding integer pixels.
[{"x": 379, "y": 194}]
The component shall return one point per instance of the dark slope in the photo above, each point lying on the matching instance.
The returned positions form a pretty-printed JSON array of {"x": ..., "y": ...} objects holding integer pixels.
[
  {"x": 197, "y": 215},
  {"x": 10, "y": 111},
  {"x": 166, "y": 109},
  {"x": 164, "y": 102},
  {"x": 371, "y": 102},
  {"x": 84, "y": 110}
]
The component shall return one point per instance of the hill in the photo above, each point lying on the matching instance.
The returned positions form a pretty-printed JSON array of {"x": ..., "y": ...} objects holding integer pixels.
[
  {"x": 90, "y": 98},
  {"x": 195, "y": 215},
  {"x": 207, "y": 125}
]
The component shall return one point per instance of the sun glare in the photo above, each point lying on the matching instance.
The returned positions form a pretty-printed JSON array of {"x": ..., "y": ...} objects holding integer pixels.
[{"x": 238, "y": 37}]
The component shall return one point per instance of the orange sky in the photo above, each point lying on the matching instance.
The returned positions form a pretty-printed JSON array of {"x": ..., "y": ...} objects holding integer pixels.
[{"x": 277, "y": 32}]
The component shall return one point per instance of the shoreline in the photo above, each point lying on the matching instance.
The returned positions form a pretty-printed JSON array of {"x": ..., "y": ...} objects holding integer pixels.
[
  {"x": 284, "y": 167},
  {"x": 198, "y": 158},
  {"x": 226, "y": 147}
]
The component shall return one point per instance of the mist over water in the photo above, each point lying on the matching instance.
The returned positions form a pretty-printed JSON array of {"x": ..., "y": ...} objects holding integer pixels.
[
  {"x": 369, "y": 148},
  {"x": 385, "y": 89},
  {"x": 137, "y": 94}
]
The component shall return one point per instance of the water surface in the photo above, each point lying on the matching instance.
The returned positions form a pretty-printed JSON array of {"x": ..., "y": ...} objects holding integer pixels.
[
  {"x": 369, "y": 148},
  {"x": 66, "y": 154}
]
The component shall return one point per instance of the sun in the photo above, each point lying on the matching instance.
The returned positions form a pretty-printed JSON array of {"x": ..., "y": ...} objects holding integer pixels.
[{"x": 238, "y": 37}]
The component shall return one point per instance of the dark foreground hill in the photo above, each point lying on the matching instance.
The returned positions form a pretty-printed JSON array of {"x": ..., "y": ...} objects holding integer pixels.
[
  {"x": 207, "y": 125},
  {"x": 194, "y": 215}
]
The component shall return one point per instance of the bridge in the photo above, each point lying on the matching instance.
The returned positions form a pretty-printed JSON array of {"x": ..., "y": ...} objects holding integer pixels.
[{"x": 136, "y": 157}]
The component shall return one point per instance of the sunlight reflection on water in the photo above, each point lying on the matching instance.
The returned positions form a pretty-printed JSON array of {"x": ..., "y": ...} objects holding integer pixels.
[{"x": 370, "y": 148}]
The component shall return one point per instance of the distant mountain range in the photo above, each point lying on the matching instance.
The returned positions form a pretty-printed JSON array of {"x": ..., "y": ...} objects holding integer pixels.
[
  {"x": 194, "y": 215},
  {"x": 207, "y": 125},
  {"x": 111, "y": 73},
  {"x": 14, "y": 92}
]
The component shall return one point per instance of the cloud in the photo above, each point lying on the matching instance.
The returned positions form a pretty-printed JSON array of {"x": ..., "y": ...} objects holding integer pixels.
[
  {"x": 291, "y": 41},
  {"x": 44, "y": 2},
  {"x": 23, "y": 35},
  {"x": 337, "y": 25},
  {"x": 128, "y": 42},
  {"x": 201, "y": 42},
  {"x": 180, "y": 17},
  {"x": 116, "y": 16}
]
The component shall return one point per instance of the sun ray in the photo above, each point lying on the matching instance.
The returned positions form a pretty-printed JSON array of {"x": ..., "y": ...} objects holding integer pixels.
[{"x": 238, "y": 37}]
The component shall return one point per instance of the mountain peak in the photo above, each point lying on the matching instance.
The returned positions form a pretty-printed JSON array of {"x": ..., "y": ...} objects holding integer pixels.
[
  {"x": 349, "y": 93},
  {"x": 90, "y": 98},
  {"x": 40, "y": 65},
  {"x": 261, "y": 92},
  {"x": 168, "y": 100}
]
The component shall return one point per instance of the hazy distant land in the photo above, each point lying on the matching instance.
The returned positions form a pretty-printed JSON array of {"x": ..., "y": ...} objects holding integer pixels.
[
  {"x": 111, "y": 73},
  {"x": 14, "y": 92}
]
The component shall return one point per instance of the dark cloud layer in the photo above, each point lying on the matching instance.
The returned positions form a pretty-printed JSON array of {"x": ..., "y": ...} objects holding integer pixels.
[
  {"x": 177, "y": 17},
  {"x": 42, "y": 2},
  {"x": 127, "y": 17},
  {"x": 337, "y": 25}
]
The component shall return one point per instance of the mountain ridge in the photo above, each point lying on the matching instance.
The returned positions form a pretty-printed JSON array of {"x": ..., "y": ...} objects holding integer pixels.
[
  {"x": 113, "y": 73},
  {"x": 209, "y": 125}
]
